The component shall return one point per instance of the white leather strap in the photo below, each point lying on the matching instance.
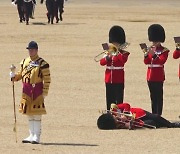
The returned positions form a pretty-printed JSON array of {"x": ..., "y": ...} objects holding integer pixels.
[
  {"x": 155, "y": 65},
  {"x": 114, "y": 68}
]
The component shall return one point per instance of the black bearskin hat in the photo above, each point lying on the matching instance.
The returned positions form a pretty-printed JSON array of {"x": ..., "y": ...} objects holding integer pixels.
[
  {"x": 117, "y": 34},
  {"x": 156, "y": 33},
  {"x": 106, "y": 121}
]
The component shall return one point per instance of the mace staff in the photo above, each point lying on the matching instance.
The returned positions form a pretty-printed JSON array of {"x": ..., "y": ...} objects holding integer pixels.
[{"x": 13, "y": 68}]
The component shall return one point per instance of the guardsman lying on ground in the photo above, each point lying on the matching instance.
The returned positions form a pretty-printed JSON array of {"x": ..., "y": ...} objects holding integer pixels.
[{"x": 123, "y": 116}]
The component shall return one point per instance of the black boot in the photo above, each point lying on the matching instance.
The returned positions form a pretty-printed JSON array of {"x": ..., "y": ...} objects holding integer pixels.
[
  {"x": 48, "y": 20},
  {"x": 52, "y": 19},
  {"x": 57, "y": 20},
  {"x": 61, "y": 17},
  {"x": 175, "y": 125}
]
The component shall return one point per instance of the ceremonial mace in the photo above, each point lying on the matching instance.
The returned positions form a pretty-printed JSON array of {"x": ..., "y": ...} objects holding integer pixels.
[{"x": 13, "y": 68}]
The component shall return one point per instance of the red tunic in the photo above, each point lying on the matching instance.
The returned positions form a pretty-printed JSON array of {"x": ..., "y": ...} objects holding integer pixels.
[
  {"x": 176, "y": 55},
  {"x": 155, "y": 71},
  {"x": 115, "y": 67},
  {"x": 125, "y": 107}
]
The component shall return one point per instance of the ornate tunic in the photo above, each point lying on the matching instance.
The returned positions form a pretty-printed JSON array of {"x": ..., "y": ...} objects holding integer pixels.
[{"x": 36, "y": 79}]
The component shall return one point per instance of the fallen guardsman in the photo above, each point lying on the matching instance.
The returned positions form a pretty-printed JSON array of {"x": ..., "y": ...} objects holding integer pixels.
[{"x": 123, "y": 116}]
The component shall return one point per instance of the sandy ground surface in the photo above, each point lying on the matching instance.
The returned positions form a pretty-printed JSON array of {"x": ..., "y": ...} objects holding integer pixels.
[{"x": 77, "y": 91}]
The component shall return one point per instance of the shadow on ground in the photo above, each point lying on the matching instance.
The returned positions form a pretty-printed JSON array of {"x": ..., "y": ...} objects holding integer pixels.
[{"x": 70, "y": 144}]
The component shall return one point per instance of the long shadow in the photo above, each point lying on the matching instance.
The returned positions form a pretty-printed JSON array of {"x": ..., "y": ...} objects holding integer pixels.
[
  {"x": 63, "y": 23},
  {"x": 70, "y": 144},
  {"x": 60, "y": 23},
  {"x": 38, "y": 23}
]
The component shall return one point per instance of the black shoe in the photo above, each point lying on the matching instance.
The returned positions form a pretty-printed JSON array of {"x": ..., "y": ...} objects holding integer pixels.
[
  {"x": 20, "y": 20},
  {"x": 176, "y": 125},
  {"x": 34, "y": 142},
  {"x": 48, "y": 20},
  {"x": 57, "y": 20},
  {"x": 52, "y": 21},
  {"x": 25, "y": 141},
  {"x": 27, "y": 23},
  {"x": 61, "y": 17}
]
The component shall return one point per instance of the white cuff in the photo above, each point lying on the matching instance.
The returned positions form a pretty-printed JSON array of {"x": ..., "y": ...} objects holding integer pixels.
[{"x": 12, "y": 74}]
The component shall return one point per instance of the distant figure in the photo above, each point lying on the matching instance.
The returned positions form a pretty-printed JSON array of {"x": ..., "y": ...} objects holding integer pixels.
[
  {"x": 50, "y": 5},
  {"x": 20, "y": 8},
  {"x": 28, "y": 6},
  {"x": 32, "y": 9},
  {"x": 59, "y": 6}
]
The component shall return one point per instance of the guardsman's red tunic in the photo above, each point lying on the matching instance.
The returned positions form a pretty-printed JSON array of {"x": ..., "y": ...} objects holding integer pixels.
[
  {"x": 115, "y": 67},
  {"x": 156, "y": 63}
]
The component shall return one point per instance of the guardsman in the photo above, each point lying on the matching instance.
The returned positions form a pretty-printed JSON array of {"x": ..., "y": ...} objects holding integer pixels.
[
  {"x": 130, "y": 118},
  {"x": 176, "y": 53},
  {"x": 59, "y": 4},
  {"x": 20, "y": 8},
  {"x": 114, "y": 61},
  {"x": 155, "y": 58},
  {"x": 51, "y": 10},
  {"x": 28, "y": 6},
  {"x": 32, "y": 9},
  {"x": 35, "y": 75}
]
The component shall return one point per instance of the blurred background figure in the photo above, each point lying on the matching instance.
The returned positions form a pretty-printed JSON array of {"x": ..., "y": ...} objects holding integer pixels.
[
  {"x": 51, "y": 9},
  {"x": 20, "y": 8},
  {"x": 32, "y": 9},
  {"x": 59, "y": 4},
  {"x": 28, "y": 9}
]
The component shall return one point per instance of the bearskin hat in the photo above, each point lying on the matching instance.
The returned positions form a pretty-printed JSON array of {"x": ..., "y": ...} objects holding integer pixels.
[
  {"x": 106, "y": 122},
  {"x": 117, "y": 34},
  {"x": 156, "y": 33}
]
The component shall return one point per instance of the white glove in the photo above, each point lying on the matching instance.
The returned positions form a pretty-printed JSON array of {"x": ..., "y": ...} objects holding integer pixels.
[
  {"x": 13, "y": 3},
  {"x": 12, "y": 74}
]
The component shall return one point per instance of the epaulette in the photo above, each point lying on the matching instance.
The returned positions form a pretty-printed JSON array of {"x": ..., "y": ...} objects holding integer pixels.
[{"x": 43, "y": 64}]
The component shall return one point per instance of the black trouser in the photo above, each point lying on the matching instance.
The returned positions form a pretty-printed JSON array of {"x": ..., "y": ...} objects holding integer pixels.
[
  {"x": 114, "y": 93},
  {"x": 20, "y": 11},
  {"x": 156, "y": 120},
  {"x": 20, "y": 8},
  {"x": 32, "y": 9},
  {"x": 156, "y": 94},
  {"x": 59, "y": 5},
  {"x": 28, "y": 10},
  {"x": 50, "y": 5}
]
